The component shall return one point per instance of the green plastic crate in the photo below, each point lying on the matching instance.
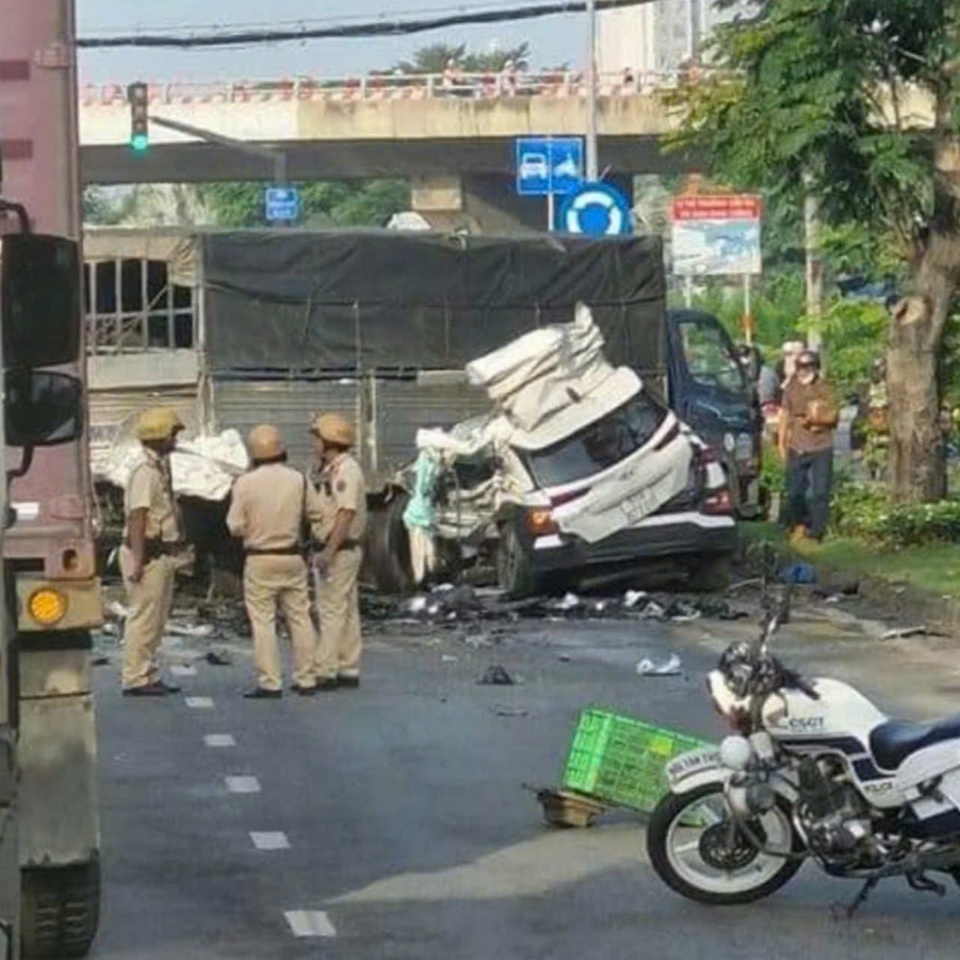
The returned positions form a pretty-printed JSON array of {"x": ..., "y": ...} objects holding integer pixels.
[{"x": 620, "y": 760}]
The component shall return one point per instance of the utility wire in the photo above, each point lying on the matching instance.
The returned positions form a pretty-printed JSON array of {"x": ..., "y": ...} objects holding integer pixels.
[{"x": 373, "y": 28}]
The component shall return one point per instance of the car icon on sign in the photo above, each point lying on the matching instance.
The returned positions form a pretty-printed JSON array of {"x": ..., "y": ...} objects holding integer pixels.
[{"x": 534, "y": 166}]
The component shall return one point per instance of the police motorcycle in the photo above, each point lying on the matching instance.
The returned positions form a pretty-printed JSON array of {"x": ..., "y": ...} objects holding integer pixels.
[{"x": 814, "y": 771}]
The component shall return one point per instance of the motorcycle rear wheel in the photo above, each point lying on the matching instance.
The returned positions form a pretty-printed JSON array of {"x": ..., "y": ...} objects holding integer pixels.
[{"x": 749, "y": 876}]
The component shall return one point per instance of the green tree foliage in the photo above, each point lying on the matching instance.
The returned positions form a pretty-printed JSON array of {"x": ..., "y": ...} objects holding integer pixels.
[
  {"x": 820, "y": 97},
  {"x": 434, "y": 58},
  {"x": 99, "y": 209},
  {"x": 370, "y": 203}
]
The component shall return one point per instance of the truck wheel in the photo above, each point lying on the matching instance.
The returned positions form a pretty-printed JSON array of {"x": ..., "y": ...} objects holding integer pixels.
[
  {"x": 388, "y": 547},
  {"x": 59, "y": 910},
  {"x": 709, "y": 574},
  {"x": 514, "y": 573}
]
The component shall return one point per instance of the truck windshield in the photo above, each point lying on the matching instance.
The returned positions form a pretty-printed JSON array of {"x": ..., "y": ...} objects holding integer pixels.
[
  {"x": 709, "y": 358},
  {"x": 598, "y": 446}
]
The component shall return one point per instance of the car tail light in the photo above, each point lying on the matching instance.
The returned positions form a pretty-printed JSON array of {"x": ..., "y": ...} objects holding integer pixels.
[
  {"x": 540, "y": 522},
  {"x": 719, "y": 504},
  {"x": 561, "y": 498}
]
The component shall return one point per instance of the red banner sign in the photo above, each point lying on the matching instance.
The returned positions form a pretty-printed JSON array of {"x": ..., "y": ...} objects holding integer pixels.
[{"x": 716, "y": 207}]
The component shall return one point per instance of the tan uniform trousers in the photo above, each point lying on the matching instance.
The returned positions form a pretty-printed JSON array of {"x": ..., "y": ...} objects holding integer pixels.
[
  {"x": 338, "y": 609},
  {"x": 269, "y": 582},
  {"x": 151, "y": 600}
]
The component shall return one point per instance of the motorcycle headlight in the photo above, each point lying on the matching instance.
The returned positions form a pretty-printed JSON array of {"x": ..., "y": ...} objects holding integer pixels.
[{"x": 736, "y": 753}]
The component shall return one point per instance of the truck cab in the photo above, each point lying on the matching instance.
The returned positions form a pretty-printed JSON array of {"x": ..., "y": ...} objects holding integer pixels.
[{"x": 710, "y": 391}]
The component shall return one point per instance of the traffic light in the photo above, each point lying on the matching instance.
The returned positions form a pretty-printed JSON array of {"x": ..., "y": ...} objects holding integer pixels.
[{"x": 139, "y": 102}]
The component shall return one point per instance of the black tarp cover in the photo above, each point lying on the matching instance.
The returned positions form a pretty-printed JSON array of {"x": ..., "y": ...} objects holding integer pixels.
[{"x": 298, "y": 301}]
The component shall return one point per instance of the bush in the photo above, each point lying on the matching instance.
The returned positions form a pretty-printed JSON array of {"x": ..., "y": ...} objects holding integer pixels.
[{"x": 871, "y": 516}]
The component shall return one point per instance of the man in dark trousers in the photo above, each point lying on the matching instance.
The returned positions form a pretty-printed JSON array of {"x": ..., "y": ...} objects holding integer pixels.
[{"x": 807, "y": 422}]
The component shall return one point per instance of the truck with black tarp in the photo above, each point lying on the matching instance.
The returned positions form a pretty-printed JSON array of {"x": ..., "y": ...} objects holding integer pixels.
[{"x": 378, "y": 325}]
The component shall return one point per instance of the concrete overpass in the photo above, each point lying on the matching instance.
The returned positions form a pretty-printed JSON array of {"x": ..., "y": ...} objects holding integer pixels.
[{"x": 453, "y": 138}]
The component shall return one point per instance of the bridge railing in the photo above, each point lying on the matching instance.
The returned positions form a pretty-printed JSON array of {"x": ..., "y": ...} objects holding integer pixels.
[{"x": 450, "y": 85}]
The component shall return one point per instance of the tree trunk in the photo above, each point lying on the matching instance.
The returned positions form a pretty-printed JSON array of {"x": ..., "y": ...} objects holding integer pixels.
[{"x": 917, "y": 463}]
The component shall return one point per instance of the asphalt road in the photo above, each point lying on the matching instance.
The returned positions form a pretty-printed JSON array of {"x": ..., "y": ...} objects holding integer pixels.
[{"x": 391, "y": 822}]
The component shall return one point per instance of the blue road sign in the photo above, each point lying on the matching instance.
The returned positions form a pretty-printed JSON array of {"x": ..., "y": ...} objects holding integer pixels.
[
  {"x": 548, "y": 165},
  {"x": 596, "y": 209},
  {"x": 282, "y": 204}
]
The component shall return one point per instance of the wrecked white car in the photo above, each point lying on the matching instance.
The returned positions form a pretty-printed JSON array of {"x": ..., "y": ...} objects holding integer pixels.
[{"x": 578, "y": 473}]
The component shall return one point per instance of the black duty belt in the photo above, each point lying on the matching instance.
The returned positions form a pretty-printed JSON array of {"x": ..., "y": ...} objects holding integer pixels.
[
  {"x": 154, "y": 549},
  {"x": 293, "y": 551}
]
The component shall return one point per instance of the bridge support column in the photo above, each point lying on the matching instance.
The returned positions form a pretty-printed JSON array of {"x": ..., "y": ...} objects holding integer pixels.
[{"x": 485, "y": 203}]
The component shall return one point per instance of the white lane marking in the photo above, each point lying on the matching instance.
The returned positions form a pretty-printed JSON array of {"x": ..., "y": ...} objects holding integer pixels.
[
  {"x": 179, "y": 670},
  {"x": 270, "y": 841},
  {"x": 242, "y": 784},
  {"x": 200, "y": 703},
  {"x": 219, "y": 740},
  {"x": 310, "y": 923}
]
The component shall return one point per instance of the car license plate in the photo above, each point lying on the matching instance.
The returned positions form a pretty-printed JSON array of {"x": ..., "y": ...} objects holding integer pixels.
[
  {"x": 688, "y": 764},
  {"x": 639, "y": 505}
]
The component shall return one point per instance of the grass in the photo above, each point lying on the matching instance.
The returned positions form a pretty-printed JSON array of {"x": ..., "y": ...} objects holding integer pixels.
[{"x": 933, "y": 567}]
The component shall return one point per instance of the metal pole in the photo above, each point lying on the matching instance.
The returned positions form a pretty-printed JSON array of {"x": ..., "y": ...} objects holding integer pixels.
[
  {"x": 747, "y": 310},
  {"x": 688, "y": 291},
  {"x": 551, "y": 211},
  {"x": 593, "y": 162}
]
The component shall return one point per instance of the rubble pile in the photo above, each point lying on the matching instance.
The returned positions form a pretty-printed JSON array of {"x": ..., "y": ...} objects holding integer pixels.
[{"x": 449, "y": 605}]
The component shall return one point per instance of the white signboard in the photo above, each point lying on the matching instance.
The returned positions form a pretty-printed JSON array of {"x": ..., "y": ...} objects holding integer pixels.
[{"x": 716, "y": 235}]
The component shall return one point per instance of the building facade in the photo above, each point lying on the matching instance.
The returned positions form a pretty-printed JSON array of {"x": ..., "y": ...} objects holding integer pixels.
[{"x": 658, "y": 37}]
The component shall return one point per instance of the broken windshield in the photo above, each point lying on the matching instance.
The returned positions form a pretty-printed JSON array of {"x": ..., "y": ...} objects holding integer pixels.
[{"x": 601, "y": 445}]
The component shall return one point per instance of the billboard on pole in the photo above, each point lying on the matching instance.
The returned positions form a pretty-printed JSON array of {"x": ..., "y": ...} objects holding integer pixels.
[{"x": 716, "y": 234}]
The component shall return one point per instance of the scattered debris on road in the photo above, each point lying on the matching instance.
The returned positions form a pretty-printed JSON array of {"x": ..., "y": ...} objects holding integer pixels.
[
  {"x": 564, "y": 808},
  {"x": 496, "y": 676},
  {"x": 218, "y": 658},
  {"x": 669, "y": 668},
  {"x": 902, "y": 633},
  {"x": 458, "y": 605},
  {"x": 502, "y": 710}
]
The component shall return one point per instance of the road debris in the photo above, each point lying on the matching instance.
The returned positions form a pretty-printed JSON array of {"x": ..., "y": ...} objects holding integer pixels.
[
  {"x": 218, "y": 658},
  {"x": 194, "y": 630},
  {"x": 448, "y": 658},
  {"x": 902, "y": 633},
  {"x": 500, "y": 710},
  {"x": 101, "y": 661},
  {"x": 669, "y": 668},
  {"x": 496, "y": 676}
]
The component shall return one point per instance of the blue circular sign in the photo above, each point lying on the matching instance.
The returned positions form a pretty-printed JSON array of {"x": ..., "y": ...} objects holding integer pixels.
[{"x": 597, "y": 210}]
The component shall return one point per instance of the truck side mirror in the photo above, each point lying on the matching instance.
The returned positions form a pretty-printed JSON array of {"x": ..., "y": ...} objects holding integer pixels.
[
  {"x": 40, "y": 284},
  {"x": 41, "y": 408}
]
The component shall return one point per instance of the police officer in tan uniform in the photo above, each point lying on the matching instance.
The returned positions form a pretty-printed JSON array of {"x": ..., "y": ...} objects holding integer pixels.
[
  {"x": 344, "y": 510},
  {"x": 148, "y": 557},
  {"x": 271, "y": 508}
]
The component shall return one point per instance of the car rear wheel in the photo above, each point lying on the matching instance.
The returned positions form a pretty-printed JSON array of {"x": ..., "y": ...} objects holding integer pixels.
[
  {"x": 709, "y": 574},
  {"x": 59, "y": 910},
  {"x": 514, "y": 569}
]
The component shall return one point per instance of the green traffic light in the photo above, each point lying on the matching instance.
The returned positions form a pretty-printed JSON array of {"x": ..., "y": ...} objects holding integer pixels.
[{"x": 139, "y": 141}]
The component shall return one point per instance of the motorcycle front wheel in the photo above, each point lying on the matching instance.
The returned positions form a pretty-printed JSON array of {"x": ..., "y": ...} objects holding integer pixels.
[{"x": 696, "y": 850}]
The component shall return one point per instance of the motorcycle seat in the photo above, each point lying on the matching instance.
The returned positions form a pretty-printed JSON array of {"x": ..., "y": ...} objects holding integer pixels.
[{"x": 892, "y": 742}]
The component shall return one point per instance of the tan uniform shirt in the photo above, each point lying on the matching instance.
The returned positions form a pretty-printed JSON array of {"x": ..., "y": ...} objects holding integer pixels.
[
  {"x": 796, "y": 398},
  {"x": 150, "y": 488},
  {"x": 342, "y": 487},
  {"x": 269, "y": 505}
]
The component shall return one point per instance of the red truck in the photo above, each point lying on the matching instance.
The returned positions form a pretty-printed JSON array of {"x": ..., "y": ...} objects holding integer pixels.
[{"x": 49, "y": 831}]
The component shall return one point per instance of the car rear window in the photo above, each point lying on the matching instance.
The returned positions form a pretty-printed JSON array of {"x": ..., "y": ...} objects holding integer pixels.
[{"x": 598, "y": 446}]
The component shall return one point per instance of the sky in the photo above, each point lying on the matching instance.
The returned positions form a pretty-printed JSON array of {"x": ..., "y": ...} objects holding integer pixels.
[{"x": 553, "y": 40}]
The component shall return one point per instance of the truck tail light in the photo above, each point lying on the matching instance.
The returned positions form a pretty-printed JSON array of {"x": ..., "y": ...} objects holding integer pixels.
[
  {"x": 719, "y": 504},
  {"x": 47, "y": 606},
  {"x": 540, "y": 522}
]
